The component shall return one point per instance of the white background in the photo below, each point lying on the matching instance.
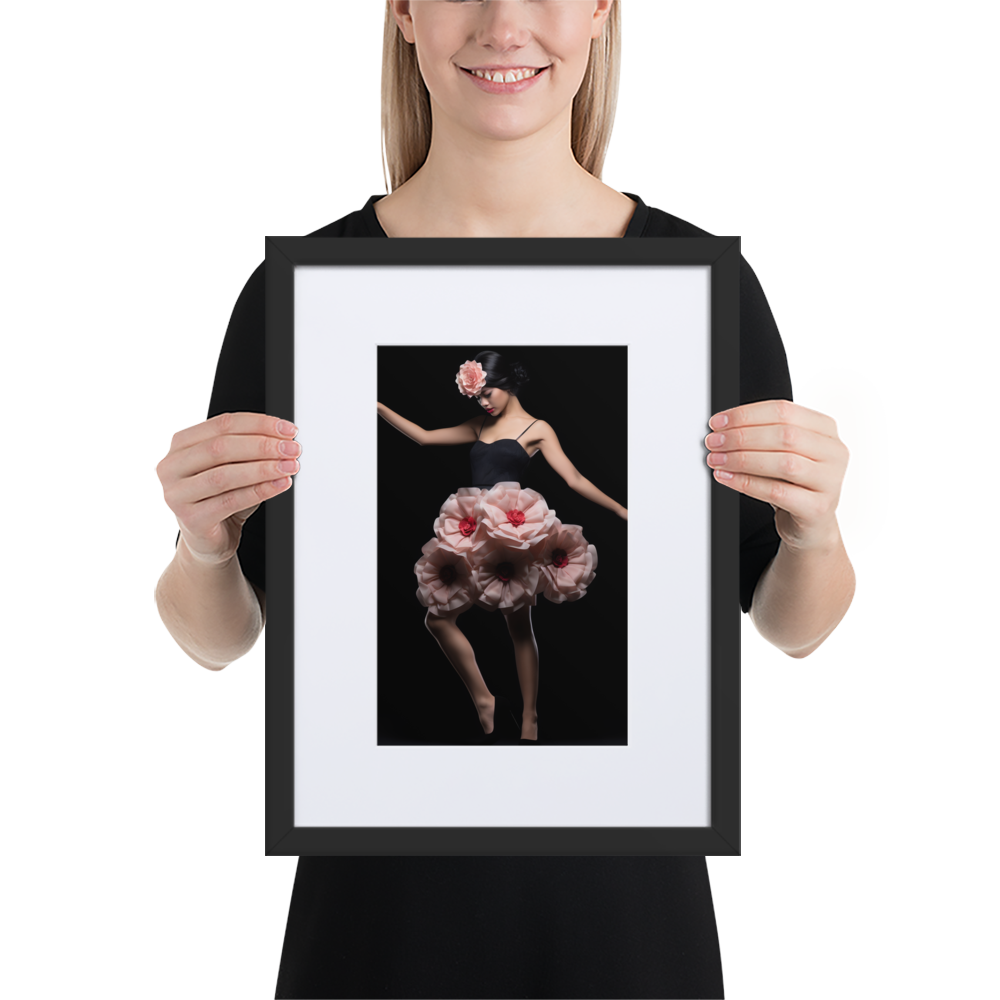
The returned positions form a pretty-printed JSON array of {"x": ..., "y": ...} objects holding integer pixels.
[{"x": 668, "y": 332}]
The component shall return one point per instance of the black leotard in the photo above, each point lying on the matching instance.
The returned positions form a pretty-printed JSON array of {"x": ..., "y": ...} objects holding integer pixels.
[{"x": 500, "y": 461}]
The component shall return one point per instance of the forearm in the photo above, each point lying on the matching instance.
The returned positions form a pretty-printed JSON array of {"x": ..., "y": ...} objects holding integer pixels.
[
  {"x": 413, "y": 431},
  {"x": 802, "y": 596},
  {"x": 211, "y": 611},
  {"x": 587, "y": 489}
]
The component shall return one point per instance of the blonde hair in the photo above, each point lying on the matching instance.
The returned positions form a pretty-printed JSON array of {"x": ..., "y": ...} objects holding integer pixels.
[{"x": 406, "y": 106}]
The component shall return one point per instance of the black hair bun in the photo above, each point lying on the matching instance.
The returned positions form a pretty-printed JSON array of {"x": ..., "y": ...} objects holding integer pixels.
[{"x": 519, "y": 372}]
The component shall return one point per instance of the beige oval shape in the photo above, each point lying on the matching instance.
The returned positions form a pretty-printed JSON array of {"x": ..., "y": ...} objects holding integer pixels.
[{"x": 854, "y": 402}]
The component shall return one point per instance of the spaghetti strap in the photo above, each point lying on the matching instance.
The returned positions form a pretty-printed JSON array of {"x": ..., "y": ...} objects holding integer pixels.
[
  {"x": 528, "y": 428},
  {"x": 480, "y": 431}
]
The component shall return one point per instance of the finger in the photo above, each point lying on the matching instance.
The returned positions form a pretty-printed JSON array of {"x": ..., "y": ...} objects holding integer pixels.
[
  {"x": 201, "y": 517},
  {"x": 230, "y": 449},
  {"x": 802, "y": 503},
  {"x": 792, "y": 468},
  {"x": 190, "y": 448},
  {"x": 239, "y": 422},
  {"x": 775, "y": 437},
  {"x": 774, "y": 411},
  {"x": 231, "y": 463}
]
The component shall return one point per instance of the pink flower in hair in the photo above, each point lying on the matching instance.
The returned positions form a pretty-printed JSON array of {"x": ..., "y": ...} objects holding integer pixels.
[{"x": 471, "y": 378}]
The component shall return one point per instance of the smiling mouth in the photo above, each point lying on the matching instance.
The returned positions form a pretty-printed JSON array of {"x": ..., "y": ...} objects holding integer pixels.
[{"x": 501, "y": 76}]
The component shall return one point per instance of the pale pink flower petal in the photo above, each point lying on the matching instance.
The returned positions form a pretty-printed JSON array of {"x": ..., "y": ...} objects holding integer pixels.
[
  {"x": 504, "y": 578},
  {"x": 518, "y": 518},
  {"x": 567, "y": 564},
  {"x": 457, "y": 524},
  {"x": 471, "y": 378},
  {"x": 444, "y": 578}
]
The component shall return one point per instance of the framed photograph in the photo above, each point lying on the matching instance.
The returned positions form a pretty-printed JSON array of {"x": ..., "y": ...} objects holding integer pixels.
[{"x": 470, "y": 649}]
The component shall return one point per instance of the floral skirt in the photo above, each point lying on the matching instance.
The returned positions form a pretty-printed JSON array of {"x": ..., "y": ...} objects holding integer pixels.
[{"x": 499, "y": 548}]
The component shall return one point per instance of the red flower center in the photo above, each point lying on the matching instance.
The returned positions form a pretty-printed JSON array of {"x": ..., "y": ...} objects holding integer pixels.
[
  {"x": 516, "y": 517},
  {"x": 505, "y": 571},
  {"x": 447, "y": 573},
  {"x": 559, "y": 558},
  {"x": 467, "y": 525}
]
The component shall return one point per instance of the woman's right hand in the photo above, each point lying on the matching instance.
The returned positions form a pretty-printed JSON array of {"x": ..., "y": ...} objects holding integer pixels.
[{"x": 218, "y": 472}]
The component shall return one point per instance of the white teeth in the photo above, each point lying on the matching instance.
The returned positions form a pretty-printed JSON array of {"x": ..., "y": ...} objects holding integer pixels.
[{"x": 512, "y": 75}]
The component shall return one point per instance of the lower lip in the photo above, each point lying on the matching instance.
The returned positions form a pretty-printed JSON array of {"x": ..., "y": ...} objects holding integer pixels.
[
  {"x": 503, "y": 88},
  {"x": 489, "y": 411}
]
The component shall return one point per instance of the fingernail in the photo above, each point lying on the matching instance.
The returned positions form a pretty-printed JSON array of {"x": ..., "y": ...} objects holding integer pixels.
[
  {"x": 719, "y": 420},
  {"x": 284, "y": 427}
]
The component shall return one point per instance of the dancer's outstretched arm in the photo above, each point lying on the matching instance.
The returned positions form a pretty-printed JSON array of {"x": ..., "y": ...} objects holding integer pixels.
[
  {"x": 459, "y": 434},
  {"x": 548, "y": 445}
]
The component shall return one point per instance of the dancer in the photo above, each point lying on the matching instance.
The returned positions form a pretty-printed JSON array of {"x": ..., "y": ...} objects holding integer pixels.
[{"x": 497, "y": 543}]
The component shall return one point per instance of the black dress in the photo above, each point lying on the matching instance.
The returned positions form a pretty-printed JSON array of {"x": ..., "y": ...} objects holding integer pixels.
[
  {"x": 497, "y": 544},
  {"x": 501, "y": 927}
]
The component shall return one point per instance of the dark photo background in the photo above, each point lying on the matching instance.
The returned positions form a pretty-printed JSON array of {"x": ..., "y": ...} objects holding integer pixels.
[{"x": 582, "y": 645}]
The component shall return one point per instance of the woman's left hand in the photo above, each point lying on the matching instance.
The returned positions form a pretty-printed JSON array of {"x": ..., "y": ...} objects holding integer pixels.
[{"x": 788, "y": 456}]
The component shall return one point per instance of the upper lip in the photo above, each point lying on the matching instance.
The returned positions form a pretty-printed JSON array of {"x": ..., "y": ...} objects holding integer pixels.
[{"x": 510, "y": 66}]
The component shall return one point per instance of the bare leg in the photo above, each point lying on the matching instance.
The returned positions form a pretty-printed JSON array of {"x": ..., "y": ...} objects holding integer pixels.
[
  {"x": 526, "y": 658},
  {"x": 460, "y": 654}
]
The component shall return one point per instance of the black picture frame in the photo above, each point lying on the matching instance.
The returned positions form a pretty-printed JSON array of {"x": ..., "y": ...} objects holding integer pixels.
[{"x": 285, "y": 258}]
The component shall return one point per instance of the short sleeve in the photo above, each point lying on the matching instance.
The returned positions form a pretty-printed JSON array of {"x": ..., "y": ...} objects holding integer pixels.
[
  {"x": 239, "y": 385},
  {"x": 763, "y": 375}
]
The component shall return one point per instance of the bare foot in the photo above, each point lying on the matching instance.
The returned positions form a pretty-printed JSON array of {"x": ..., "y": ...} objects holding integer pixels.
[
  {"x": 529, "y": 726},
  {"x": 487, "y": 713}
]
